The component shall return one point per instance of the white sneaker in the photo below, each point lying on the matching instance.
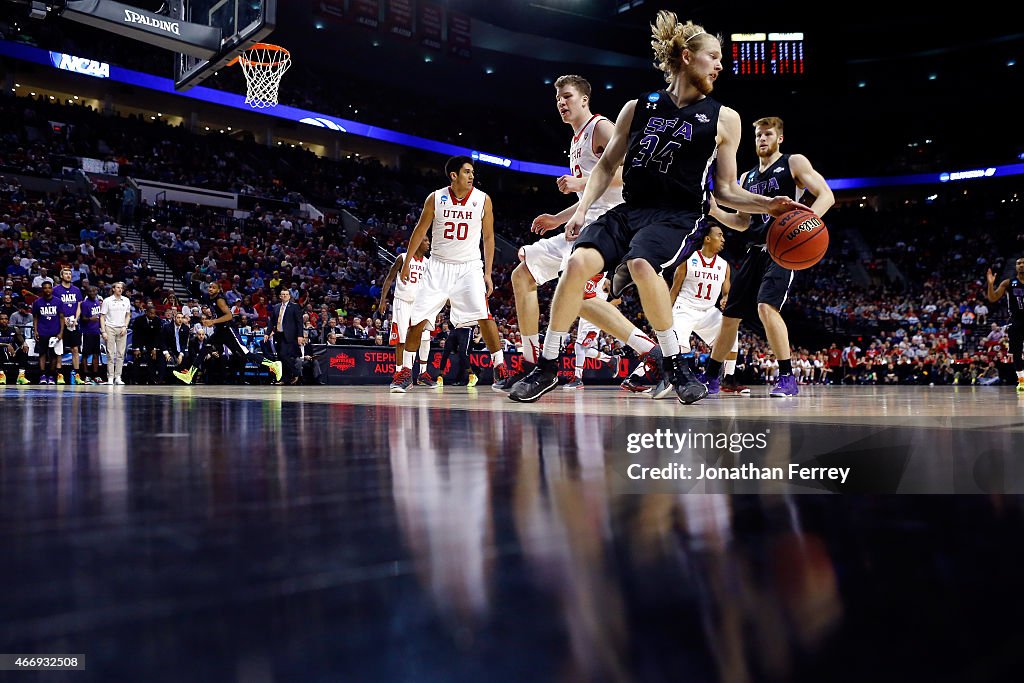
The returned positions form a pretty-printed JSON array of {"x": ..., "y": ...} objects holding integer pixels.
[
  {"x": 109, "y": 381},
  {"x": 117, "y": 380}
]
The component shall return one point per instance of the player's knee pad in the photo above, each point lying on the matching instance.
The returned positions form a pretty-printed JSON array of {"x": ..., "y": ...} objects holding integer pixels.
[{"x": 621, "y": 280}]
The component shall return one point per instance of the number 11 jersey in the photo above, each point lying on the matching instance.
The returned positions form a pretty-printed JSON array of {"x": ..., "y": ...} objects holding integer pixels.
[{"x": 703, "y": 282}]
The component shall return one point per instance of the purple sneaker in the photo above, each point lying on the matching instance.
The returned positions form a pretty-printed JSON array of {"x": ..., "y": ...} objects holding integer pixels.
[
  {"x": 713, "y": 384},
  {"x": 786, "y": 386}
]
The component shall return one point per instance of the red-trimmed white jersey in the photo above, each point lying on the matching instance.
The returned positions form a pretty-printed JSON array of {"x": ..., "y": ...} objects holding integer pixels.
[
  {"x": 417, "y": 267},
  {"x": 583, "y": 159},
  {"x": 595, "y": 288},
  {"x": 703, "y": 282},
  {"x": 458, "y": 226}
]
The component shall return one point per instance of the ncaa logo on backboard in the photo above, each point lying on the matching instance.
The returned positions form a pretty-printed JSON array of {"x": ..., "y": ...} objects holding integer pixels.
[{"x": 343, "y": 362}]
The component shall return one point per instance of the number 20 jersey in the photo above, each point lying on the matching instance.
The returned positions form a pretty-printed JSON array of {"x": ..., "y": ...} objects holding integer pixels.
[
  {"x": 458, "y": 226},
  {"x": 671, "y": 153}
]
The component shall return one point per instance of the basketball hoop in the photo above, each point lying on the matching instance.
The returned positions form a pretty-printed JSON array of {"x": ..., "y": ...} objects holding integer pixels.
[{"x": 263, "y": 65}]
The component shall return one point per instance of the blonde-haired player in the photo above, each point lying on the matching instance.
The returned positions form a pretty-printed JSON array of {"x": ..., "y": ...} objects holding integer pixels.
[{"x": 672, "y": 144}]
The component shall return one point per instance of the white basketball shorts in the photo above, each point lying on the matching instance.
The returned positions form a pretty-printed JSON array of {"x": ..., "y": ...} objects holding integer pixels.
[
  {"x": 706, "y": 324},
  {"x": 460, "y": 283}
]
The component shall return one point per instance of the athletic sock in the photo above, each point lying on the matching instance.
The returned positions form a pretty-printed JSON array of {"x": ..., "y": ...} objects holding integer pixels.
[
  {"x": 639, "y": 342},
  {"x": 424, "y": 352},
  {"x": 531, "y": 347},
  {"x": 553, "y": 342},
  {"x": 785, "y": 367},
  {"x": 714, "y": 368},
  {"x": 497, "y": 358},
  {"x": 581, "y": 359},
  {"x": 730, "y": 367},
  {"x": 669, "y": 342},
  {"x": 408, "y": 358}
]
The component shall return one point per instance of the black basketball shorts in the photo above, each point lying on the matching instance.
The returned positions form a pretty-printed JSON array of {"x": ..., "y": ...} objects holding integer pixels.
[
  {"x": 90, "y": 343},
  {"x": 758, "y": 280},
  {"x": 625, "y": 233},
  {"x": 43, "y": 348},
  {"x": 72, "y": 338},
  {"x": 1015, "y": 332}
]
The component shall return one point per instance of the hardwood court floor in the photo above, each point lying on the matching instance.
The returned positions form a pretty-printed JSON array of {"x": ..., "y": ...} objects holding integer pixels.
[{"x": 347, "y": 534}]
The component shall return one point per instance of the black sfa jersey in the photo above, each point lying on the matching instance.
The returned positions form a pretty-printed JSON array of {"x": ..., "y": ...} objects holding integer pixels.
[
  {"x": 775, "y": 181},
  {"x": 217, "y": 312},
  {"x": 1015, "y": 301},
  {"x": 671, "y": 153}
]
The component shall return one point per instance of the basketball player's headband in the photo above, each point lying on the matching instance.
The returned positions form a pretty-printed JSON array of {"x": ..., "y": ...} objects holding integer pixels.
[{"x": 698, "y": 33}]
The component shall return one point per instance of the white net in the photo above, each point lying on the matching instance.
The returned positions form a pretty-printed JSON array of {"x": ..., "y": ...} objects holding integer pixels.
[{"x": 263, "y": 66}]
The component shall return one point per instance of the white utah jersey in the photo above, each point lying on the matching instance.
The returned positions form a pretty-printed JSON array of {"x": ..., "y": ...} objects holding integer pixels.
[
  {"x": 583, "y": 159},
  {"x": 458, "y": 226},
  {"x": 703, "y": 282},
  {"x": 406, "y": 291}
]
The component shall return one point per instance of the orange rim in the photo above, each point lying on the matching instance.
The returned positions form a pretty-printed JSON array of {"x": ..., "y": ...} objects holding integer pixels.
[{"x": 262, "y": 46}]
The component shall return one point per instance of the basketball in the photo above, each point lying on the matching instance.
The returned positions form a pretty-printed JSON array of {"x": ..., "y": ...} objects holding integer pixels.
[{"x": 798, "y": 239}]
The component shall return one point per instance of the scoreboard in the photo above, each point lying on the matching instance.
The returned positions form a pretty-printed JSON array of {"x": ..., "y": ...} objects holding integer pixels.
[{"x": 767, "y": 55}]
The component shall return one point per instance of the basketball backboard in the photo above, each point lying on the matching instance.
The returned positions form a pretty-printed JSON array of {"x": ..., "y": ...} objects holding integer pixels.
[{"x": 242, "y": 23}]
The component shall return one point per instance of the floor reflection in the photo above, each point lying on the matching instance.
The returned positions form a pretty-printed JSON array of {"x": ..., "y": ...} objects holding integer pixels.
[{"x": 277, "y": 540}]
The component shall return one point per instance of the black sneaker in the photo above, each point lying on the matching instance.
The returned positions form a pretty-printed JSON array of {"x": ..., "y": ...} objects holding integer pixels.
[
  {"x": 666, "y": 386},
  {"x": 688, "y": 388},
  {"x": 540, "y": 381},
  {"x": 505, "y": 385}
]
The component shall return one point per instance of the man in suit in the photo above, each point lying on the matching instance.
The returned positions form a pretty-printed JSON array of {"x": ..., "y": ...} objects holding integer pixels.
[
  {"x": 175, "y": 338},
  {"x": 286, "y": 326}
]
